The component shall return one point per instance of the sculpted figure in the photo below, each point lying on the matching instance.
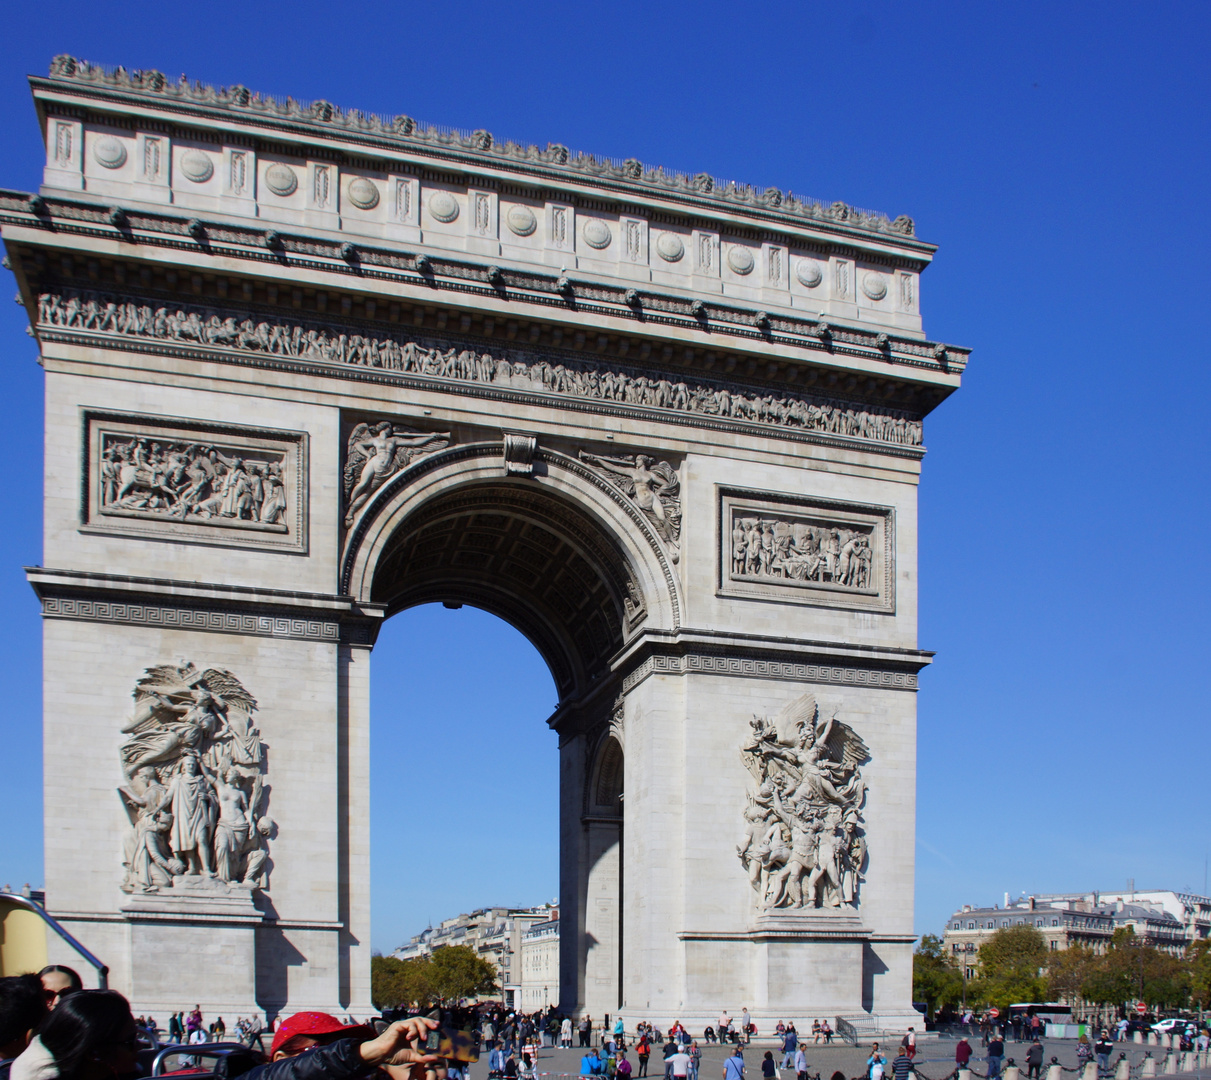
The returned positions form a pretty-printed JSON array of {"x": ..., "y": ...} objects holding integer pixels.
[
  {"x": 803, "y": 844},
  {"x": 655, "y": 489},
  {"x": 376, "y": 454},
  {"x": 231, "y": 830},
  {"x": 152, "y": 864},
  {"x": 194, "y": 768},
  {"x": 193, "y": 813}
]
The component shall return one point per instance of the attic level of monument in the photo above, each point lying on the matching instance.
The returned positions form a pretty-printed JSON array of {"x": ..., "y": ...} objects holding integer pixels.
[{"x": 185, "y": 104}]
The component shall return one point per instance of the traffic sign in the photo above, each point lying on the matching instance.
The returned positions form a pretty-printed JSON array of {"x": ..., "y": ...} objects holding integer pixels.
[
  {"x": 1141, "y": 1007},
  {"x": 994, "y": 1012}
]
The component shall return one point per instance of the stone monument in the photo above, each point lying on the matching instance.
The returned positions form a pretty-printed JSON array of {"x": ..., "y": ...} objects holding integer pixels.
[{"x": 307, "y": 367}]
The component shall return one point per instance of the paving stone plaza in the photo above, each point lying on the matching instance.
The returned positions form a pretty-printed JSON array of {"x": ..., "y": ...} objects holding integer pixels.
[{"x": 306, "y": 368}]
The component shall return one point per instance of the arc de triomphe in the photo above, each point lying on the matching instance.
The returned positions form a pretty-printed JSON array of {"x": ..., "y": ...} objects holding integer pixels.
[{"x": 308, "y": 367}]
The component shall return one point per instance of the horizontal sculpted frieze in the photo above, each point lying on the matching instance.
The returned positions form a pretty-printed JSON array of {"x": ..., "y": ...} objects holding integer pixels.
[
  {"x": 194, "y": 479},
  {"x": 513, "y": 369}
]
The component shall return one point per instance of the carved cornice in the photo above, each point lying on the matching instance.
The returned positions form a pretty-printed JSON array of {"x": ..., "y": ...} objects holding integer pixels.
[
  {"x": 819, "y": 339},
  {"x": 751, "y": 667},
  {"x": 706, "y": 652},
  {"x": 205, "y": 607},
  {"x": 322, "y": 120}
]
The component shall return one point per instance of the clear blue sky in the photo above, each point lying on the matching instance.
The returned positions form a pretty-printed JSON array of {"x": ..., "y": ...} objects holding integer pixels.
[{"x": 1057, "y": 153}]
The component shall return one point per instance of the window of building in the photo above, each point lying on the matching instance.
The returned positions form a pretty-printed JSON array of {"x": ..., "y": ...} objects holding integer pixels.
[
  {"x": 971, "y": 926},
  {"x": 1004, "y": 922},
  {"x": 990, "y": 925},
  {"x": 1055, "y": 922},
  {"x": 1038, "y": 922},
  {"x": 1054, "y": 945}
]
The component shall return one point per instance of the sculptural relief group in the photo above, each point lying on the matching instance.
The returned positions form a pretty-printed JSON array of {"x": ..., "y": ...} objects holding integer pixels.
[
  {"x": 193, "y": 767},
  {"x": 796, "y": 551},
  {"x": 804, "y": 845},
  {"x": 191, "y": 481},
  {"x": 514, "y": 369}
]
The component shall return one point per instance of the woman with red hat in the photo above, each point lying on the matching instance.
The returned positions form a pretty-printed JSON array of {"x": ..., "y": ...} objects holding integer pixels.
[{"x": 316, "y": 1046}]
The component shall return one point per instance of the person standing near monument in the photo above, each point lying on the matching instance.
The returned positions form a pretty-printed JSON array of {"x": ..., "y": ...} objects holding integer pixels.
[
  {"x": 644, "y": 1050},
  {"x": 996, "y": 1053},
  {"x": 746, "y": 1023},
  {"x": 789, "y": 1042},
  {"x": 1034, "y": 1060},
  {"x": 733, "y": 1068},
  {"x": 962, "y": 1053}
]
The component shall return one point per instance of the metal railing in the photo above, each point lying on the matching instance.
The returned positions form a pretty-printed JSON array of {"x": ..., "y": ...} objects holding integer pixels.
[{"x": 29, "y": 905}]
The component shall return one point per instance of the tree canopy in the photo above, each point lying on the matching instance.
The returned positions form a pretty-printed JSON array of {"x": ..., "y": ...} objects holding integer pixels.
[
  {"x": 936, "y": 979},
  {"x": 1011, "y": 968},
  {"x": 448, "y": 975}
]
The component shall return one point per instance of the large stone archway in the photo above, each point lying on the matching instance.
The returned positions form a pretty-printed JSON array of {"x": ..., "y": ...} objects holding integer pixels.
[{"x": 306, "y": 368}]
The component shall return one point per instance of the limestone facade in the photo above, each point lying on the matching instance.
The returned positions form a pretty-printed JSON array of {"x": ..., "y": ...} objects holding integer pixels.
[{"x": 306, "y": 368}]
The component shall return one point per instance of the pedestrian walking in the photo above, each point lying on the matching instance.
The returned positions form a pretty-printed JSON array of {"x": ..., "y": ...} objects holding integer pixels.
[
  {"x": 1034, "y": 1060},
  {"x": 800, "y": 1063},
  {"x": 644, "y": 1049},
  {"x": 768, "y": 1069},
  {"x": 789, "y": 1042},
  {"x": 585, "y": 1029},
  {"x": 733, "y": 1068},
  {"x": 902, "y": 1066},
  {"x": 1102, "y": 1049},
  {"x": 695, "y": 1060},
  {"x": 670, "y": 1048},
  {"x": 908, "y": 1044},
  {"x": 996, "y": 1053},
  {"x": 962, "y": 1053}
]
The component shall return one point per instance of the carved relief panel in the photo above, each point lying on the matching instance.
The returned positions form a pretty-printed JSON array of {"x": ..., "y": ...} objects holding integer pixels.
[
  {"x": 218, "y": 483},
  {"x": 806, "y": 551}
]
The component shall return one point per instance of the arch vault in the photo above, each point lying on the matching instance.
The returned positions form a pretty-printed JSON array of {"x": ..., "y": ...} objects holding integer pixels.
[{"x": 306, "y": 368}]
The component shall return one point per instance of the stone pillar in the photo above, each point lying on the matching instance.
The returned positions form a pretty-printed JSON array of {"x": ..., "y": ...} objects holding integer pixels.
[
  {"x": 1170, "y": 1064},
  {"x": 601, "y": 916},
  {"x": 1055, "y": 1071},
  {"x": 1011, "y": 1072},
  {"x": 1151, "y": 1041},
  {"x": 1138, "y": 1038},
  {"x": 353, "y": 708},
  {"x": 1090, "y": 1071},
  {"x": 1148, "y": 1066},
  {"x": 964, "y": 1074},
  {"x": 1122, "y": 1069}
]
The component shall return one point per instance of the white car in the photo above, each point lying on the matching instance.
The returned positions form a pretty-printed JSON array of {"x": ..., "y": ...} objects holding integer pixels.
[{"x": 1167, "y": 1027}]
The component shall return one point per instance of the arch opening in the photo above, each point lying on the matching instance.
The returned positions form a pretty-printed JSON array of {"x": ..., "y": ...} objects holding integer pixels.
[
  {"x": 524, "y": 554},
  {"x": 457, "y": 701}
]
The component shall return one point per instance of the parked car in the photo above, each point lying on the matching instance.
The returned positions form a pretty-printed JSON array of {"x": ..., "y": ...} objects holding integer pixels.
[{"x": 1172, "y": 1024}]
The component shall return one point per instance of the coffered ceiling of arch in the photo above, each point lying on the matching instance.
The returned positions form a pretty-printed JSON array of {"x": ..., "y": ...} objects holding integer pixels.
[{"x": 527, "y": 556}]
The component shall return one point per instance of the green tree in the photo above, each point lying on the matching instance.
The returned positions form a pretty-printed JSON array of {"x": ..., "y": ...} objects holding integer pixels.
[
  {"x": 395, "y": 982},
  {"x": 936, "y": 979},
  {"x": 1011, "y": 962},
  {"x": 457, "y": 971},
  {"x": 1198, "y": 972},
  {"x": 1132, "y": 969},
  {"x": 1068, "y": 970}
]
